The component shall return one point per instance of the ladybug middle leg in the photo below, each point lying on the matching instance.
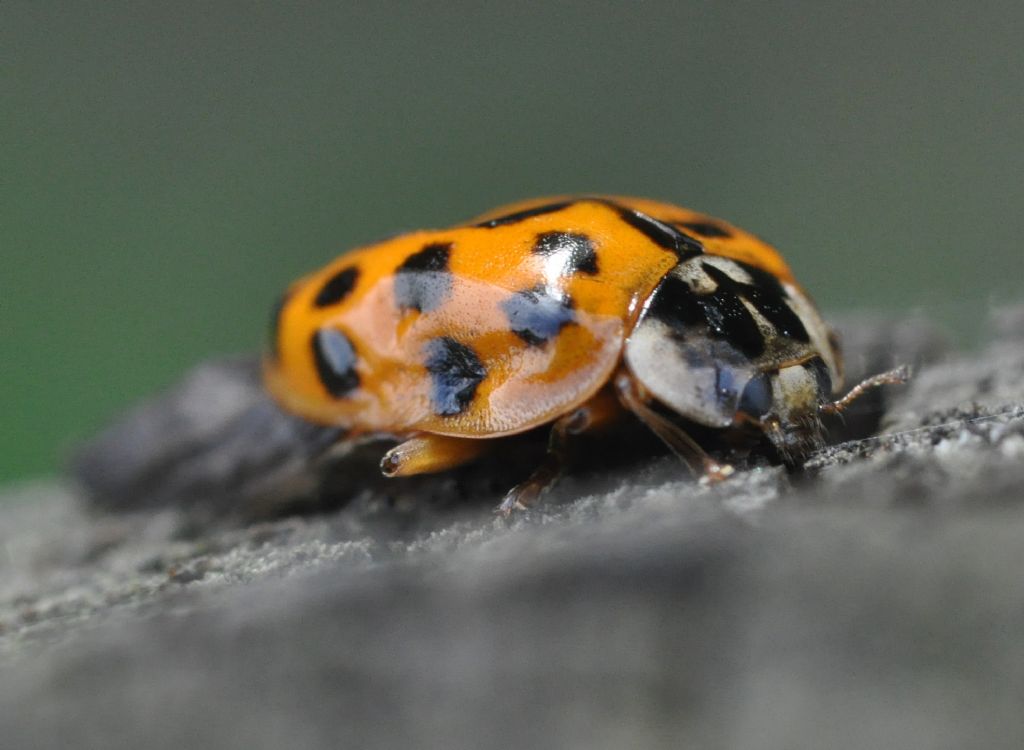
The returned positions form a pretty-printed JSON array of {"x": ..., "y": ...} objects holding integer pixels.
[
  {"x": 596, "y": 413},
  {"x": 675, "y": 437}
]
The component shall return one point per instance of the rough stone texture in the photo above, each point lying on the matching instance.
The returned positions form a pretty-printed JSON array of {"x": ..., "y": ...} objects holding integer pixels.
[{"x": 875, "y": 600}]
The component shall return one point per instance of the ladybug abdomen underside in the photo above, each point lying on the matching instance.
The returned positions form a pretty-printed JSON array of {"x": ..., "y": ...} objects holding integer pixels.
[{"x": 485, "y": 329}]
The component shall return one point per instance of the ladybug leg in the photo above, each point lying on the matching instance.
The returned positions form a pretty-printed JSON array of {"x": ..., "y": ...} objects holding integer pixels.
[
  {"x": 601, "y": 410},
  {"x": 684, "y": 446},
  {"x": 426, "y": 453}
]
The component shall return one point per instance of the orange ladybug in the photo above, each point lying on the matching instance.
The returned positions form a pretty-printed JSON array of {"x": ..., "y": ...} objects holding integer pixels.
[{"x": 573, "y": 312}]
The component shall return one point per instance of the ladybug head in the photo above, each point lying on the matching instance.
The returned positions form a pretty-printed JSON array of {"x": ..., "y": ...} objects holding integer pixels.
[{"x": 787, "y": 405}]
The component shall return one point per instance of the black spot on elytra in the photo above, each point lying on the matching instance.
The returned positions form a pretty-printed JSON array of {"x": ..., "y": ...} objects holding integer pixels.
[
  {"x": 275, "y": 325},
  {"x": 513, "y": 218},
  {"x": 705, "y": 228},
  {"x": 455, "y": 372},
  {"x": 766, "y": 294},
  {"x": 536, "y": 315},
  {"x": 335, "y": 359},
  {"x": 337, "y": 288},
  {"x": 663, "y": 235},
  {"x": 578, "y": 249},
  {"x": 423, "y": 281}
]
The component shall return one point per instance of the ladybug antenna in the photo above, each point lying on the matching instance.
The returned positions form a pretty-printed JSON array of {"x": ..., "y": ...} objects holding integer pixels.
[{"x": 896, "y": 376}]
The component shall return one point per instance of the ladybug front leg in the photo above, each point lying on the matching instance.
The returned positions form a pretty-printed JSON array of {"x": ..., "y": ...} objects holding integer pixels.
[
  {"x": 427, "y": 453},
  {"x": 674, "y": 436},
  {"x": 601, "y": 410}
]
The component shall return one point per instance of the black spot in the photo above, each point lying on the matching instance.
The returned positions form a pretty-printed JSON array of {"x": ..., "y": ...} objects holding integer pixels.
[
  {"x": 423, "y": 281},
  {"x": 455, "y": 371},
  {"x": 757, "y": 396},
  {"x": 337, "y": 288},
  {"x": 536, "y": 316},
  {"x": 335, "y": 359},
  {"x": 518, "y": 216},
  {"x": 680, "y": 308},
  {"x": 275, "y": 324},
  {"x": 433, "y": 257},
  {"x": 705, "y": 228},
  {"x": 730, "y": 320},
  {"x": 581, "y": 257},
  {"x": 662, "y": 234},
  {"x": 675, "y": 305},
  {"x": 766, "y": 294}
]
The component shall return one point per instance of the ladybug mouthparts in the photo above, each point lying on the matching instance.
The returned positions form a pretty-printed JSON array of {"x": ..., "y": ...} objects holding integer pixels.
[{"x": 788, "y": 404}]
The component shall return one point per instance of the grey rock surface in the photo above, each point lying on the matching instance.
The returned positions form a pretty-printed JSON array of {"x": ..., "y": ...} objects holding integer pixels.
[{"x": 874, "y": 600}]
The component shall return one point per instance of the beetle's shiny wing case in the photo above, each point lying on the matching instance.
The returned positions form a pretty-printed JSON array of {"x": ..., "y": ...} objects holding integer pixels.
[
  {"x": 479, "y": 331},
  {"x": 656, "y": 219}
]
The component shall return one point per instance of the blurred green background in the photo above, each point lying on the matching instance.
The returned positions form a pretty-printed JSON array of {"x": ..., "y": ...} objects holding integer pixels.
[{"x": 168, "y": 168}]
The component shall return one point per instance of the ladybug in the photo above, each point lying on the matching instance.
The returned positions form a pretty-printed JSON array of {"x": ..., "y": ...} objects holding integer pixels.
[{"x": 568, "y": 312}]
